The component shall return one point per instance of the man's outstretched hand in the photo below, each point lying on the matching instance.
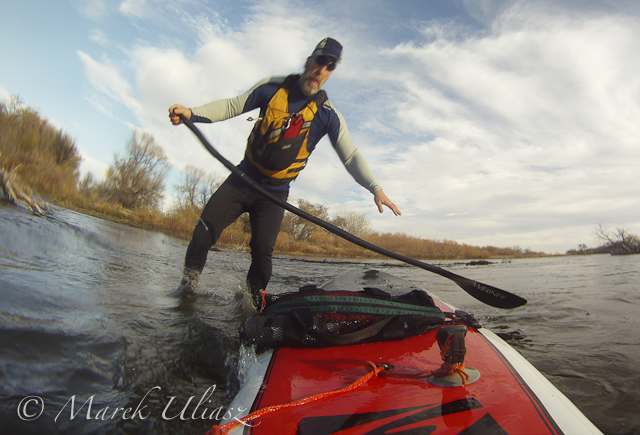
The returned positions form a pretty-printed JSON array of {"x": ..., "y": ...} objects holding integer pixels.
[{"x": 381, "y": 199}]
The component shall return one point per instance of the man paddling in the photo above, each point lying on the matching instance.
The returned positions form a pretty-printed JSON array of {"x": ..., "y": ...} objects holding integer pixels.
[{"x": 295, "y": 114}]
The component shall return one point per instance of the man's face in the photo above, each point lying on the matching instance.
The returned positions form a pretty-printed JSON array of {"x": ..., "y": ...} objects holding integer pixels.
[{"x": 315, "y": 75}]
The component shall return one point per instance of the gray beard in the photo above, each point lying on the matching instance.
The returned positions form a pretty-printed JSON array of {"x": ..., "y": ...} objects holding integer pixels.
[{"x": 306, "y": 88}]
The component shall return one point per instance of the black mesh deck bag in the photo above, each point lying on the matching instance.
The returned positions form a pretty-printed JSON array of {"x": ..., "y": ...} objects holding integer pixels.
[{"x": 313, "y": 317}]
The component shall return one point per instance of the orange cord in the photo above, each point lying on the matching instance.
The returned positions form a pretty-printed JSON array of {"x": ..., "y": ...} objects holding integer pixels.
[
  {"x": 219, "y": 430},
  {"x": 263, "y": 304}
]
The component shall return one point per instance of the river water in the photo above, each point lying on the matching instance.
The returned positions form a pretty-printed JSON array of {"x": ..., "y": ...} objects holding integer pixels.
[{"x": 85, "y": 320}]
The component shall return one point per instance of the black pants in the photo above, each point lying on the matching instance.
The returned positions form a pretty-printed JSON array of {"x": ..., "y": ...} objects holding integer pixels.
[{"x": 232, "y": 199}]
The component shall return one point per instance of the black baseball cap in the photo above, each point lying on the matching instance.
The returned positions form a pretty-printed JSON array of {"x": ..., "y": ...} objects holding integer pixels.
[{"x": 328, "y": 47}]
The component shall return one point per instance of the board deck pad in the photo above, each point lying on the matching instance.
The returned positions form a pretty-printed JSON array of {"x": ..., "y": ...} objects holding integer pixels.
[{"x": 509, "y": 397}]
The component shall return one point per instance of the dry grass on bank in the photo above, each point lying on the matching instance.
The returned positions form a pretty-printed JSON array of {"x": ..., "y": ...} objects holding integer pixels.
[{"x": 180, "y": 223}]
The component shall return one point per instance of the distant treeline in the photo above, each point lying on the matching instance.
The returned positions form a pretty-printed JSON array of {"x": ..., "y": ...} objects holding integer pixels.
[{"x": 47, "y": 160}]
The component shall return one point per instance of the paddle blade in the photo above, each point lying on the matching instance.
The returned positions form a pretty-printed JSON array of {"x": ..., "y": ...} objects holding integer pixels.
[{"x": 489, "y": 294}]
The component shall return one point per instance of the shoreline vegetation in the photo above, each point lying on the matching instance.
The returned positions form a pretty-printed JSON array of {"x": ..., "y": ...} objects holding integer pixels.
[{"x": 40, "y": 160}]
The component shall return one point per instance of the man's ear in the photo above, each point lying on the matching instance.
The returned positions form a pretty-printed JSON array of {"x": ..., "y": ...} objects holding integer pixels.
[{"x": 307, "y": 63}]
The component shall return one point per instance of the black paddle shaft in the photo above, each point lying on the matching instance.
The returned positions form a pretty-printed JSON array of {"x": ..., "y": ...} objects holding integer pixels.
[{"x": 488, "y": 294}]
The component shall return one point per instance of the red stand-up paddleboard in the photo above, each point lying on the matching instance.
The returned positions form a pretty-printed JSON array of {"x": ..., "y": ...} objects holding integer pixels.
[{"x": 455, "y": 378}]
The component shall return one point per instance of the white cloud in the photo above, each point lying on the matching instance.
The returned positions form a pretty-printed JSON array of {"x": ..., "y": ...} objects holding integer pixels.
[
  {"x": 99, "y": 37},
  {"x": 5, "y": 95},
  {"x": 92, "y": 9},
  {"x": 522, "y": 132},
  {"x": 107, "y": 79},
  {"x": 532, "y": 119},
  {"x": 96, "y": 168},
  {"x": 136, "y": 8}
]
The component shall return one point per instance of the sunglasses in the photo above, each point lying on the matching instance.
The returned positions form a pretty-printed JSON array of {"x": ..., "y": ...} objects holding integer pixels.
[{"x": 327, "y": 61}]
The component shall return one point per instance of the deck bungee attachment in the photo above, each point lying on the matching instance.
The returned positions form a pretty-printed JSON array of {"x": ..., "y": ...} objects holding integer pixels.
[
  {"x": 375, "y": 371},
  {"x": 313, "y": 317},
  {"x": 452, "y": 372},
  {"x": 451, "y": 340}
]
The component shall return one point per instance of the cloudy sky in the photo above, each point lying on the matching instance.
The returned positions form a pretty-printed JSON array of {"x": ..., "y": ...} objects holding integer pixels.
[{"x": 488, "y": 122}]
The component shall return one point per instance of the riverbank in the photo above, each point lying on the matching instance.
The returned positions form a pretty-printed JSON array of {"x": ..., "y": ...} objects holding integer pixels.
[{"x": 179, "y": 223}]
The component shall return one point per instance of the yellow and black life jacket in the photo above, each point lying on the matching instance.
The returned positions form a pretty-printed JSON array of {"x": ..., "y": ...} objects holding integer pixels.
[{"x": 277, "y": 146}]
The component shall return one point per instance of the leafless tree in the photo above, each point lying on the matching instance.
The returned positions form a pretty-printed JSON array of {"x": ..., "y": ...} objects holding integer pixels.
[
  {"x": 15, "y": 105},
  {"x": 87, "y": 184},
  {"x": 621, "y": 242},
  {"x": 207, "y": 187},
  {"x": 299, "y": 228},
  {"x": 187, "y": 190},
  {"x": 197, "y": 187},
  {"x": 353, "y": 222},
  {"x": 137, "y": 180}
]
